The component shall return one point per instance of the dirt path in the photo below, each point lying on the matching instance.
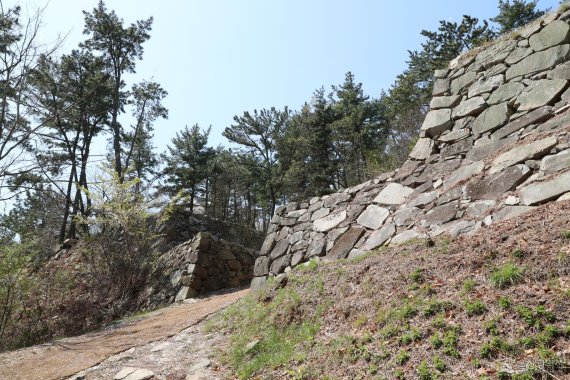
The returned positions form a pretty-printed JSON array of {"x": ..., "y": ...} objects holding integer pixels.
[{"x": 69, "y": 356}]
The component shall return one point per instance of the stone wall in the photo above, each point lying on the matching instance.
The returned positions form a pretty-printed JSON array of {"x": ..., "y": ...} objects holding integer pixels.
[
  {"x": 204, "y": 263},
  {"x": 494, "y": 145},
  {"x": 183, "y": 225}
]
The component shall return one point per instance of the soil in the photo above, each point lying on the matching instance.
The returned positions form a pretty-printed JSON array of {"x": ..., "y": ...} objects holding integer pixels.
[{"x": 100, "y": 355}]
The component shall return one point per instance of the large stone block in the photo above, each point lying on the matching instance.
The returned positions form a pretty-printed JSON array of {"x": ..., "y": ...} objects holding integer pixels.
[
  {"x": 393, "y": 194},
  {"x": 492, "y": 118},
  {"x": 536, "y": 116},
  {"x": 485, "y": 85},
  {"x": 346, "y": 242},
  {"x": 373, "y": 217},
  {"x": 423, "y": 149},
  {"x": 521, "y": 153},
  {"x": 279, "y": 265},
  {"x": 556, "y": 162},
  {"x": 555, "y": 33},
  {"x": 437, "y": 122},
  {"x": 444, "y": 102},
  {"x": 261, "y": 267},
  {"x": 280, "y": 249},
  {"x": 472, "y": 106},
  {"x": 441, "y": 86},
  {"x": 497, "y": 184},
  {"x": 505, "y": 93},
  {"x": 463, "y": 81},
  {"x": 377, "y": 238},
  {"x": 539, "y": 61},
  {"x": 329, "y": 222},
  {"x": 537, "y": 193},
  {"x": 539, "y": 93}
]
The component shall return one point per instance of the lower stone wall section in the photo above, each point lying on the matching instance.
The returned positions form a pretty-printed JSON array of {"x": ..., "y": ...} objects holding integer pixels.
[{"x": 202, "y": 264}]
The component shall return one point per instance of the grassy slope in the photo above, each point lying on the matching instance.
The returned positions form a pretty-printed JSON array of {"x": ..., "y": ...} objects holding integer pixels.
[{"x": 482, "y": 306}]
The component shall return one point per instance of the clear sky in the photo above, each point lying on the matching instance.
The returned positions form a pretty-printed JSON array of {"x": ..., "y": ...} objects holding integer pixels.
[{"x": 218, "y": 58}]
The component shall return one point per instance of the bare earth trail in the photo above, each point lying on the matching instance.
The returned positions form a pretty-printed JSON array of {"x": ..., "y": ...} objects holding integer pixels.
[{"x": 67, "y": 357}]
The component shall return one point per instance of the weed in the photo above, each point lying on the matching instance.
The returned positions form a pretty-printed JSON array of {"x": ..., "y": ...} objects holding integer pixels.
[
  {"x": 389, "y": 331},
  {"x": 474, "y": 308},
  {"x": 504, "y": 303},
  {"x": 468, "y": 286},
  {"x": 491, "y": 327},
  {"x": 399, "y": 374},
  {"x": 417, "y": 276},
  {"x": 566, "y": 234},
  {"x": 433, "y": 307},
  {"x": 450, "y": 340},
  {"x": 436, "y": 341},
  {"x": 535, "y": 317},
  {"x": 439, "y": 364},
  {"x": 492, "y": 348},
  {"x": 506, "y": 275},
  {"x": 424, "y": 372},
  {"x": 360, "y": 321},
  {"x": 439, "y": 321},
  {"x": 519, "y": 253},
  {"x": 402, "y": 357},
  {"x": 413, "y": 335}
]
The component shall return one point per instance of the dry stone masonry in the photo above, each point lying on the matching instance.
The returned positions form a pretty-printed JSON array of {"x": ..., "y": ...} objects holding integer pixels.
[
  {"x": 204, "y": 263},
  {"x": 495, "y": 144}
]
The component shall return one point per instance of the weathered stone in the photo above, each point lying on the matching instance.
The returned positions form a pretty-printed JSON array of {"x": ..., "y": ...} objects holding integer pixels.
[
  {"x": 329, "y": 222},
  {"x": 336, "y": 233},
  {"x": 455, "y": 135},
  {"x": 407, "y": 169},
  {"x": 555, "y": 33},
  {"x": 486, "y": 85},
  {"x": 393, "y": 194},
  {"x": 484, "y": 148},
  {"x": 297, "y": 236},
  {"x": 261, "y": 267},
  {"x": 530, "y": 29},
  {"x": 335, "y": 199},
  {"x": 258, "y": 282},
  {"x": 556, "y": 162},
  {"x": 561, "y": 71},
  {"x": 296, "y": 213},
  {"x": 423, "y": 199},
  {"x": 423, "y": 149},
  {"x": 518, "y": 55},
  {"x": 497, "y": 184},
  {"x": 565, "y": 197},
  {"x": 521, "y": 153},
  {"x": 268, "y": 244},
  {"x": 505, "y": 93},
  {"x": 437, "y": 122},
  {"x": 287, "y": 221},
  {"x": 280, "y": 249},
  {"x": 459, "y": 147},
  {"x": 539, "y": 93},
  {"x": 496, "y": 53},
  {"x": 346, "y": 242},
  {"x": 441, "y": 73},
  {"x": 444, "y": 102},
  {"x": 478, "y": 209},
  {"x": 315, "y": 206},
  {"x": 544, "y": 191},
  {"x": 472, "y": 106},
  {"x": 463, "y": 173},
  {"x": 373, "y": 217},
  {"x": 492, "y": 118},
  {"x": 406, "y": 216},
  {"x": 303, "y": 227},
  {"x": 463, "y": 81},
  {"x": 316, "y": 248},
  {"x": 536, "y": 116},
  {"x": 509, "y": 212},
  {"x": 406, "y": 236},
  {"x": 558, "y": 121},
  {"x": 185, "y": 292},
  {"x": 320, "y": 213},
  {"x": 440, "y": 168},
  {"x": 501, "y": 68},
  {"x": 441, "y": 86},
  {"x": 137, "y": 374},
  {"x": 539, "y": 61},
  {"x": 441, "y": 214},
  {"x": 450, "y": 195},
  {"x": 297, "y": 259},
  {"x": 280, "y": 264},
  {"x": 124, "y": 372},
  {"x": 379, "y": 237},
  {"x": 291, "y": 206}
]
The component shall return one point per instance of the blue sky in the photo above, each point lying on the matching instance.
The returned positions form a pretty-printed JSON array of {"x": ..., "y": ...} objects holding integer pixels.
[{"x": 218, "y": 58}]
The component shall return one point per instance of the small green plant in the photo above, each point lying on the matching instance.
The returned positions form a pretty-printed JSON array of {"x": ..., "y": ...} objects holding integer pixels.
[
  {"x": 402, "y": 357},
  {"x": 504, "y": 303},
  {"x": 468, "y": 286},
  {"x": 436, "y": 341},
  {"x": 566, "y": 234},
  {"x": 450, "y": 341},
  {"x": 439, "y": 321},
  {"x": 519, "y": 253},
  {"x": 399, "y": 374},
  {"x": 474, "y": 308},
  {"x": 535, "y": 317},
  {"x": 413, "y": 335},
  {"x": 433, "y": 307},
  {"x": 506, "y": 275},
  {"x": 491, "y": 327},
  {"x": 424, "y": 373},
  {"x": 439, "y": 364},
  {"x": 492, "y": 348},
  {"x": 417, "y": 276}
]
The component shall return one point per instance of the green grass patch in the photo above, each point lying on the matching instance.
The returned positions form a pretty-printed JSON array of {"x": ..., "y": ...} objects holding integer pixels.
[
  {"x": 506, "y": 275},
  {"x": 473, "y": 308}
]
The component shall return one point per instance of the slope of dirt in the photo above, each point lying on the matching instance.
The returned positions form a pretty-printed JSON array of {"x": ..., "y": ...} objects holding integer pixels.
[
  {"x": 69, "y": 356},
  {"x": 495, "y": 304}
]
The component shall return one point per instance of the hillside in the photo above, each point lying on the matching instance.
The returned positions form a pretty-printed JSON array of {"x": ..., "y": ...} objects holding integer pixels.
[{"x": 495, "y": 304}]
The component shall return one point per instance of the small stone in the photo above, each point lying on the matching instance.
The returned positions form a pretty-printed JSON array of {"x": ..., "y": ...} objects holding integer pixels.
[
  {"x": 512, "y": 200},
  {"x": 544, "y": 191},
  {"x": 406, "y": 236},
  {"x": 377, "y": 238},
  {"x": 556, "y": 162},
  {"x": 140, "y": 374},
  {"x": 258, "y": 282}
]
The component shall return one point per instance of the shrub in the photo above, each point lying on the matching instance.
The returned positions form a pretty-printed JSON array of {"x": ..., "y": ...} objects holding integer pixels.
[
  {"x": 506, "y": 275},
  {"x": 439, "y": 364},
  {"x": 402, "y": 357},
  {"x": 474, "y": 308}
]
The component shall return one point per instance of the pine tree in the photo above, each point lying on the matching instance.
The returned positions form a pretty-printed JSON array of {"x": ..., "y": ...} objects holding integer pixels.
[{"x": 516, "y": 14}]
